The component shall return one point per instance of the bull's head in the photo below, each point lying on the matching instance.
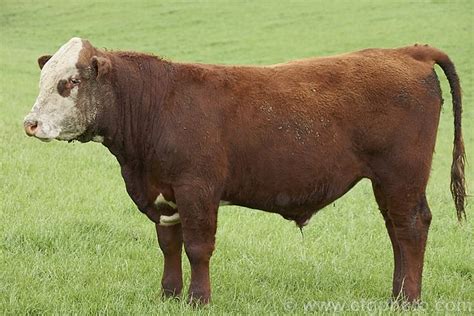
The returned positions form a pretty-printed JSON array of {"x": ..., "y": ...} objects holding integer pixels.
[{"x": 67, "y": 106}]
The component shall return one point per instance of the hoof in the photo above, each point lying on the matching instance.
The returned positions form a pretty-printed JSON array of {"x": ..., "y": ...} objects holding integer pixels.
[
  {"x": 402, "y": 302},
  {"x": 199, "y": 299},
  {"x": 171, "y": 291}
]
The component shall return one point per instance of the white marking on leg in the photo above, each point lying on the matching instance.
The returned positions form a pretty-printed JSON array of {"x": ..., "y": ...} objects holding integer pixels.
[
  {"x": 166, "y": 220},
  {"x": 161, "y": 199},
  {"x": 170, "y": 220}
]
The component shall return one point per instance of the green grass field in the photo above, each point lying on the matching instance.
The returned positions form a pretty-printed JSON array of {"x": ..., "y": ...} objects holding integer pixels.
[{"x": 71, "y": 241}]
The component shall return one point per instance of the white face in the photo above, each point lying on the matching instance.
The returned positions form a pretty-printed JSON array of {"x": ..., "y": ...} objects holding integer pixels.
[{"x": 56, "y": 115}]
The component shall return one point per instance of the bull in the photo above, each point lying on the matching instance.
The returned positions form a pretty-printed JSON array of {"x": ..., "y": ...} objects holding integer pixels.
[{"x": 289, "y": 138}]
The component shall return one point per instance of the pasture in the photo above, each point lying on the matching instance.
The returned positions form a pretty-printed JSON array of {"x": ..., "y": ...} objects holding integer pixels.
[{"x": 71, "y": 240}]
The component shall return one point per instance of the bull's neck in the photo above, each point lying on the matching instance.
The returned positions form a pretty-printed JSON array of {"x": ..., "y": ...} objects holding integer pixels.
[{"x": 140, "y": 86}]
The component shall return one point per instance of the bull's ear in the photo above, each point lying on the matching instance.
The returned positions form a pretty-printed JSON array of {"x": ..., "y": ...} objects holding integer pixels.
[
  {"x": 43, "y": 60},
  {"x": 101, "y": 66}
]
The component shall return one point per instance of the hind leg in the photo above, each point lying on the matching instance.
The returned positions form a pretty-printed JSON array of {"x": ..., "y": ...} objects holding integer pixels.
[
  {"x": 409, "y": 215},
  {"x": 411, "y": 222}
]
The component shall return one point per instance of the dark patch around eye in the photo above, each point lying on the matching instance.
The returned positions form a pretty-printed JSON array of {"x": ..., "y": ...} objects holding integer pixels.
[{"x": 63, "y": 88}]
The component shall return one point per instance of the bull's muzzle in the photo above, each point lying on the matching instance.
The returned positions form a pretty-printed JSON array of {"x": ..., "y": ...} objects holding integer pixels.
[{"x": 30, "y": 127}]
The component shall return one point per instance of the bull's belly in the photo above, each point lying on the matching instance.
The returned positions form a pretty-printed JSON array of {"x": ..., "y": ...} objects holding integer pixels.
[{"x": 296, "y": 203}]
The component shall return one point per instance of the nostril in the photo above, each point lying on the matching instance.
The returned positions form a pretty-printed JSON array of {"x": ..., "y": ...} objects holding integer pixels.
[{"x": 30, "y": 127}]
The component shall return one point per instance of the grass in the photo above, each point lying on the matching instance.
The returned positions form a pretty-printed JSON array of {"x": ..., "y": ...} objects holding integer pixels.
[{"x": 72, "y": 242}]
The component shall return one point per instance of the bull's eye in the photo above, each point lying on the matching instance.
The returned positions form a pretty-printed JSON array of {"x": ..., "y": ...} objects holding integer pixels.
[
  {"x": 75, "y": 81},
  {"x": 66, "y": 85}
]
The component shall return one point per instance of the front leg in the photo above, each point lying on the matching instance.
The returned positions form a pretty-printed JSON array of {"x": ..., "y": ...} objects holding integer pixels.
[
  {"x": 198, "y": 212},
  {"x": 170, "y": 239}
]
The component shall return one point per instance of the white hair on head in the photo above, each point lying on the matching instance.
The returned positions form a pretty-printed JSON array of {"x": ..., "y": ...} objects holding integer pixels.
[
  {"x": 62, "y": 64},
  {"x": 51, "y": 110}
]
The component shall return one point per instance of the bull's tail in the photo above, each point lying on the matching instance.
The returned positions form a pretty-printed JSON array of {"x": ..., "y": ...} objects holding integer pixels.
[{"x": 458, "y": 182}]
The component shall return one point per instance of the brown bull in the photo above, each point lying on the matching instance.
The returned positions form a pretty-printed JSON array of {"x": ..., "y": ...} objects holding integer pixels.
[{"x": 289, "y": 139}]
